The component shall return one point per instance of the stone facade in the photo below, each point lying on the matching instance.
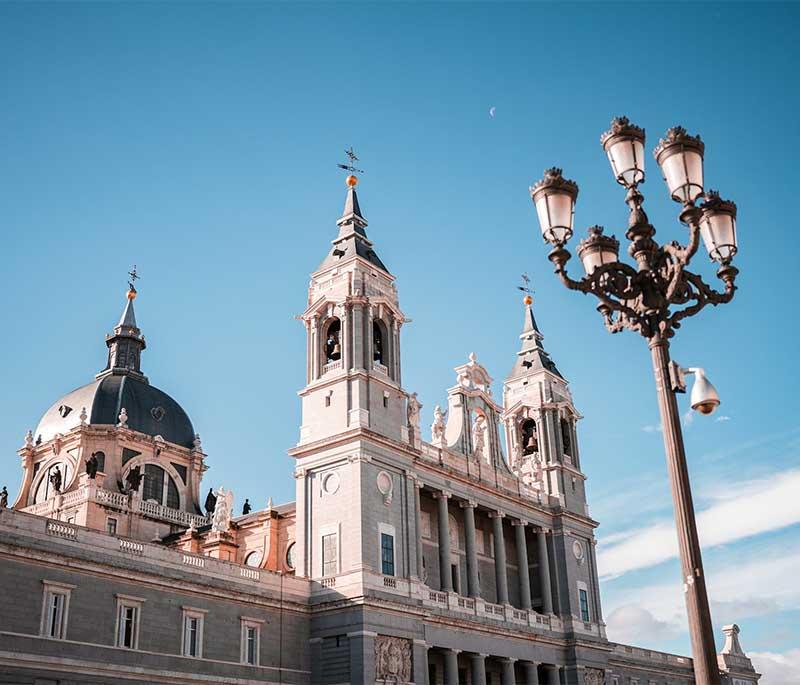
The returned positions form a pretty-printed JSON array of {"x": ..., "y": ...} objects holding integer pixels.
[{"x": 401, "y": 560}]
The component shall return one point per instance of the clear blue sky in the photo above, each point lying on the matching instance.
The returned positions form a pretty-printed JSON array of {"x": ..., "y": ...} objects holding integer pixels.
[{"x": 199, "y": 141}]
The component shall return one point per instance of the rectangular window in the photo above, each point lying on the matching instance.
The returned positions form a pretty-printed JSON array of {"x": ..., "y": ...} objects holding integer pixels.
[
  {"x": 330, "y": 558},
  {"x": 55, "y": 609},
  {"x": 251, "y": 641},
  {"x": 128, "y": 617},
  {"x": 193, "y": 620},
  {"x": 387, "y": 554},
  {"x": 584, "y": 598},
  {"x": 111, "y": 526}
]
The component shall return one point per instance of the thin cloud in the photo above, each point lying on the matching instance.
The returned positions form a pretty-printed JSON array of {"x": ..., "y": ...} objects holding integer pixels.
[
  {"x": 761, "y": 587},
  {"x": 765, "y": 505},
  {"x": 632, "y": 623},
  {"x": 722, "y": 418},
  {"x": 652, "y": 428},
  {"x": 778, "y": 668}
]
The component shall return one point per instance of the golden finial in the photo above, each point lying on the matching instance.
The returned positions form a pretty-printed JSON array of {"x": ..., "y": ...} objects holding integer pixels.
[
  {"x": 352, "y": 180},
  {"x": 528, "y": 300}
]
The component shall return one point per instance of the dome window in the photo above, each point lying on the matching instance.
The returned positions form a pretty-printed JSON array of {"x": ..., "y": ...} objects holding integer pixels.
[
  {"x": 158, "y": 413},
  {"x": 160, "y": 487}
]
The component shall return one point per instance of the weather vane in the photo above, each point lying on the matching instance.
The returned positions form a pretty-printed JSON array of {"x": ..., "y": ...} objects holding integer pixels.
[
  {"x": 349, "y": 167},
  {"x": 134, "y": 277},
  {"x": 526, "y": 286}
]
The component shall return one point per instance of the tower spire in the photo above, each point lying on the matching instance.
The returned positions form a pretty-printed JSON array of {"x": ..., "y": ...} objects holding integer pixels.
[
  {"x": 532, "y": 354},
  {"x": 126, "y": 343},
  {"x": 352, "y": 240}
]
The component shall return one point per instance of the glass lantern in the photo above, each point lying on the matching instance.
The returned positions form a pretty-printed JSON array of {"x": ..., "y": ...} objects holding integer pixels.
[
  {"x": 680, "y": 157},
  {"x": 597, "y": 249},
  {"x": 624, "y": 145},
  {"x": 554, "y": 197},
  {"x": 718, "y": 227}
]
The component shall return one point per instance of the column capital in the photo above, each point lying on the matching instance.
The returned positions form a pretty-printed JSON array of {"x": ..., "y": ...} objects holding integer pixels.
[
  {"x": 421, "y": 643},
  {"x": 520, "y": 522},
  {"x": 452, "y": 650},
  {"x": 496, "y": 515},
  {"x": 478, "y": 655},
  {"x": 468, "y": 504},
  {"x": 508, "y": 659},
  {"x": 545, "y": 530},
  {"x": 442, "y": 494}
]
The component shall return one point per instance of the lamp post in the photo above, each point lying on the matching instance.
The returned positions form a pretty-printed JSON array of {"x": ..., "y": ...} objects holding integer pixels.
[{"x": 652, "y": 300}]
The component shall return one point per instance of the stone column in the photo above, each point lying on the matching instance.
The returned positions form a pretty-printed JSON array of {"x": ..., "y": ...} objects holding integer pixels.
[
  {"x": 362, "y": 657},
  {"x": 507, "y": 676},
  {"x": 420, "y": 662},
  {"x": 418, "y": 526},
  {"x": 445, "y": 578},
  {"x": 522, "y": 561},
  {"x": 544, "y": 572},
  {"x": 344, "y": 338},
  {"x": 500, "y": 558},
  {"x": 450, "y": 666},
  {"x": 531, "y": 672},
  {"x": 553, "y": 675},
  {"x": 478, "y": 668},
  {"x": 473, "y": 583}
]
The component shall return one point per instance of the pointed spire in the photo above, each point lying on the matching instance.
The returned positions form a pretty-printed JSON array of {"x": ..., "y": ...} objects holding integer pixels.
[
  {"x": 352, "y": 239},
  {"x": 128, "y": 318},
  {"x": 126, "y": 343},
  {"x": 532, "y": 355}
]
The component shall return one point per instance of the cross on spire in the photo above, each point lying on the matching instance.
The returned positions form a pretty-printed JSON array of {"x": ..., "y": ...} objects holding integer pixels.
[
  {"x": 526, "y": 285},
  {"x": 134, "y": 277}
]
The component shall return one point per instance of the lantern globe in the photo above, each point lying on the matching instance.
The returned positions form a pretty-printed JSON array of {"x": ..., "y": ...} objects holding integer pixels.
[
  {"x": 680, "y": 157},
  {"x": 624, "y": 145},
  {"x": 554, "y": 198},
  {"x": 718, "y": 227},
  {"x": 597, "y": 249}
]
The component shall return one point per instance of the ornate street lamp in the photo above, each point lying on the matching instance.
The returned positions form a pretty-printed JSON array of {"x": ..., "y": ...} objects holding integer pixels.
[{"x": 652, "y": 299}]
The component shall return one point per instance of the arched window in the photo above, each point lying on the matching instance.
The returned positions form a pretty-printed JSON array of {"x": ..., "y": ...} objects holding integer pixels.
[
  {"x": 160, "y": 487},
  {"x": 378, "y": 342},
  {"x": 566, "y": 437},
  {"x": 530, "y": 440},
  {"x": 46, "y": 488},
  {"x": 333, "y": 346}
]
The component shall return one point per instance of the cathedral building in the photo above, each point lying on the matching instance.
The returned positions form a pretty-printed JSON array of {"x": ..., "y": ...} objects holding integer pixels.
[{"x": 460, "y": 555}]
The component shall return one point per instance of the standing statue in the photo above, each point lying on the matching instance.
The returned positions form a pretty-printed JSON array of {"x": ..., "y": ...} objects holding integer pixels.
[
  {"x": 221, "y": 521},
  {"x": 412, "y": 411},
  {"x": 55, "y": 478},
  {"x": 478, "y": 432},
  {"x": 3, "y": 498},
  {"x": 246, "y": 508},
  {"x": 133, "y": 479},
  {"x": 91, "y": 465},
  {"x": 211, "y": 502},
  {"x": 438, "y": 425}
]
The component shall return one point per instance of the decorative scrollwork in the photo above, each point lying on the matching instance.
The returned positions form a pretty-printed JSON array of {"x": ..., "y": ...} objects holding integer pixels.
[{"x": 644, "y": 300}]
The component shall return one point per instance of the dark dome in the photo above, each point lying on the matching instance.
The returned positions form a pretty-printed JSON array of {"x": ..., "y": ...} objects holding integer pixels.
[{"x": 150, "y": 410}]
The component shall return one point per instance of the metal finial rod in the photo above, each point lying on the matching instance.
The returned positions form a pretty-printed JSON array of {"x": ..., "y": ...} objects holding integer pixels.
[{"x": 526, "y": 285}]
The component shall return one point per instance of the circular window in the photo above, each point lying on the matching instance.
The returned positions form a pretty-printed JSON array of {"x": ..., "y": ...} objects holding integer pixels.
[
  {"x": 577, "y": 550},
  {"x": 330, "y": 483},
  {"x": 290, "y": 556},
  {"x": 254, "y": 558}
]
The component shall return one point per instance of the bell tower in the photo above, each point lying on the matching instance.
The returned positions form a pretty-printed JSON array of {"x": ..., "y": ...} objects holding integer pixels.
[
  {"x": 540, "y": 421},
  {"x": 353, "y": 321}
]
